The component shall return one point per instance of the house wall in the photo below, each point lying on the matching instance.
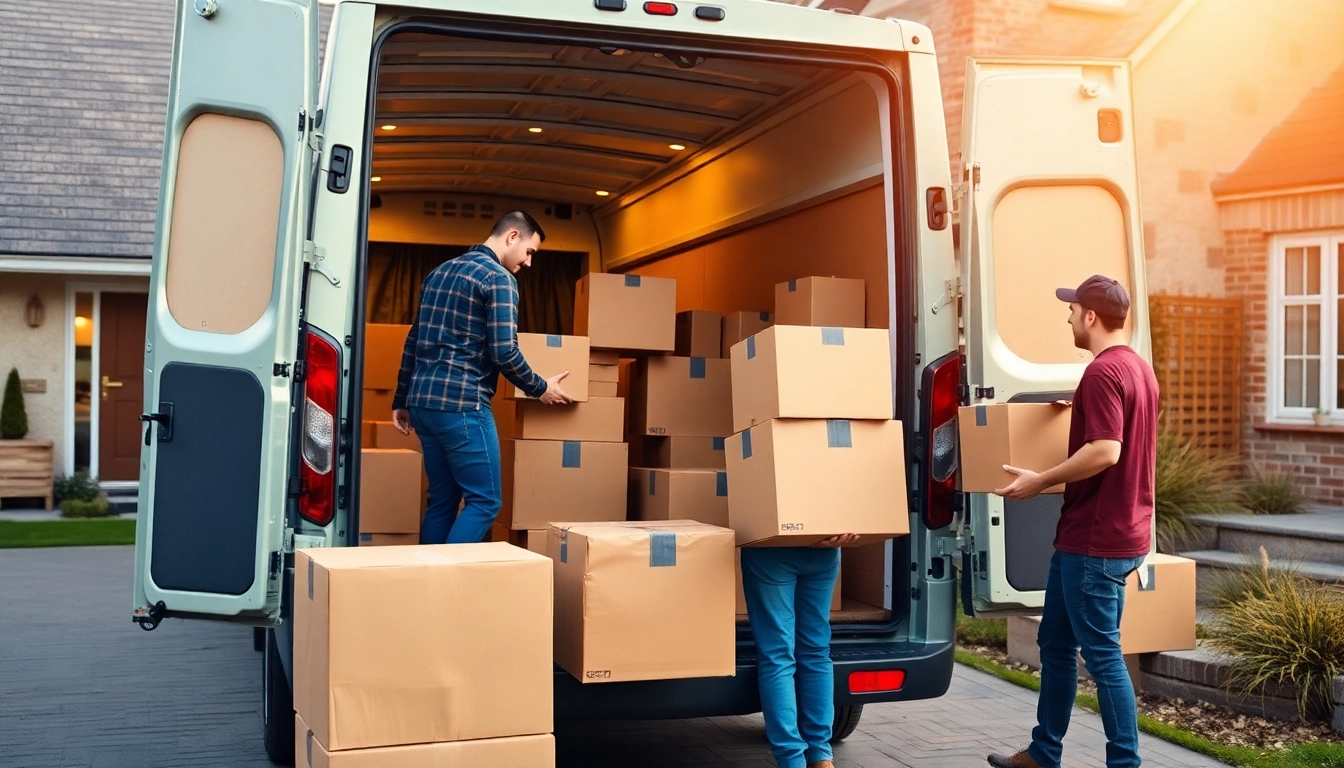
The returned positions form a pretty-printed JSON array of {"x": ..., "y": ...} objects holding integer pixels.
[{"x": 38, "y": 353}]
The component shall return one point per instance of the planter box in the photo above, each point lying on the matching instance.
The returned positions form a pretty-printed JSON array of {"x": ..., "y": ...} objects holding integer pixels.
[{"x": 26, "y": 469}]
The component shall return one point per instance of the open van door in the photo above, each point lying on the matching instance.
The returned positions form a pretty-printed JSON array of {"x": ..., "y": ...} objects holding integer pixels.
[
  {"x": 1051, "y": 197},
  {"x": 222, "y": 336}
]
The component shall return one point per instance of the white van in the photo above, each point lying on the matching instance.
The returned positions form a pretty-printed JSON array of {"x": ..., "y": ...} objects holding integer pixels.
[{"x": 732, "y": 144}]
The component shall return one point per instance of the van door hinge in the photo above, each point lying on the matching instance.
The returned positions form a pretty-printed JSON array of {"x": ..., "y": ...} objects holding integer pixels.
[
  {"x": 308, "y": 130},
  {"x": 951, "y": 291},
  {"x": 280, "y": 370},
  {"x": 984, "y": 393},
  {"x": 948, "y": 546},
  {"x": 316, "y": 257}
]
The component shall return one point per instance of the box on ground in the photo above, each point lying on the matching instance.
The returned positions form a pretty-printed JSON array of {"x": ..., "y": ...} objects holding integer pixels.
[
  {"x": 388, "y": 539},
  {"x": 699, "y": 334},
  {"x": 682, "y": 397},
  {"x": 740, "y": 326},
  {"x": 686, "y": 452},
  {"x": 569, "y": 481},
  {"x": 837, "y": 601},
  {"x": 535, "y": 751},
  {"x": 607, "y": 373},
  {"x": 643, "y": 601},
  {"x": 389, "y": 490},
  {"x": 599, "y": 420},
  {"x": 1031, "y": 436},
  {"x": 377, "y": 404},
  {"x": 825, "y": 301},
  {"x": 460, "y": 648},
  {"x": 680, "y": 494},
  {"x": 603, "y": 389},
  {"x": 1160, "y": 616},
  {"x": 550, "y": 355},
  {"x": 626, "y": 312},
  {"x": 536, "y": 541},
  {"x": 777, "y": 498},
  {"x": 797, "y": 372},
  {"x": 383, "y": 347}
]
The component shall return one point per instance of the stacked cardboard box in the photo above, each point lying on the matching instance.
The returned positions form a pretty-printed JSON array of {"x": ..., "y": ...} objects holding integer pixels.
[
  {"x": 384, "y": 435},
  {"x": 456, "y": 671},
  {"x": 391, "y": 500},
  {"x": 821, "y": 301},
  {"x": 699, "y": 334},
  {"x": 383, "y": 346},
  {"x": 740, "y": 326},
  {"x": 626, "y": 312},
  {"x": 604, "y": 374},
  {"x": 550, "y": 355}
]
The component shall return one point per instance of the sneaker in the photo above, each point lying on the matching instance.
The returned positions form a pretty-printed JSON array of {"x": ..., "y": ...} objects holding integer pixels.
[{"x": 1019, "y": 760}]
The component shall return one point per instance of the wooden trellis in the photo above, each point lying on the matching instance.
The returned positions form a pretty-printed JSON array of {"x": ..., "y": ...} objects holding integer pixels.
[{"x": 1197, "y": 347}]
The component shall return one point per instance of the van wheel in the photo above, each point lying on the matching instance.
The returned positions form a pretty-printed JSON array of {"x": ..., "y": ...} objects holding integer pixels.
[
  {"x": 277, "y": 707},
  {"x": 846, "y": 720},
  {"x": 258, "y": 638}
]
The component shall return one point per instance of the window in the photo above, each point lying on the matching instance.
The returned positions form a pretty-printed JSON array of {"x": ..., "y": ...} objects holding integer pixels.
[{"x": 1306, "y": 327}]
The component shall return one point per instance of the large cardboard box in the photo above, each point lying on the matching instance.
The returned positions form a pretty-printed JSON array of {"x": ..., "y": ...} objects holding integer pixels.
[
  {"x": 599, "y": 420},
  {"x": 368, "y": 434},
  {"x": 1160, "y": 616},
  {"x": 687, "y": 452},
  {"x": 796, "y": 372},
  {"x": 626, "y": 312},
  {"x": 643, "y": 601},
  {"x": 410, "y": 645},
  {"x": 550, "y": 355},
  {"x": 377, "y": 404},
  {"x": 388, "y": 539},
  {"x": 389, "y": 490},
  {"x": 536, "y": 751},
  {"x": 682, "y": 397},
  {"x": 794, "y": 482},
  {"x": 1031, "y": 436},
  {"x": 383, "y": 347},
  {"x": 604, "y": 389},
  {"x": 607, "y": 373},
  {"x": 536, "y": 541},
  {"x": 837, "y": 602},
  {"x": 740, "y": 326},
  {"x": 699, "y": 334},
  {"x": 570, "y": 481},
  {"x": 384, "y": 434},
  {"x": 680, "y": 494},
  {"x": 825, "y": 301}
]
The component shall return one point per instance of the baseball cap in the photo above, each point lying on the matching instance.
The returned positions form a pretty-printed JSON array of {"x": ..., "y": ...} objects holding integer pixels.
[{"x": 1100, "y": 294}]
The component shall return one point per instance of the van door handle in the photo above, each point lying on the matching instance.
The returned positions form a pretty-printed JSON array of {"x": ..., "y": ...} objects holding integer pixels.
[{"x": 164, "y": 418}]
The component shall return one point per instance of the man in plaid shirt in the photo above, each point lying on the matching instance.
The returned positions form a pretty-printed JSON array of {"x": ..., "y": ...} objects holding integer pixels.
[{"x": 465, "y": 336}]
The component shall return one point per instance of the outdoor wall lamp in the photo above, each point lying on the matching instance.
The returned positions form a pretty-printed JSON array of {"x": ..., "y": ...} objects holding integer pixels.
[{"x": 34, "y": 313}]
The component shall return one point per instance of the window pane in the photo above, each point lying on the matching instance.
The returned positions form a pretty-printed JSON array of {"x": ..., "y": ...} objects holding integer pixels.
[
  {"x": 1314, "y": 270},
  {"x": 1292, "y": 330},
  {"x": 1292, "y": 383},
  {"x": 1293, "y": 271},
  {"x": 1313, "y": 330},
  {"x": 1313, "y": 383},
  {"x": 83, "y": 377},
  {"x": 1339, "y": 383}
]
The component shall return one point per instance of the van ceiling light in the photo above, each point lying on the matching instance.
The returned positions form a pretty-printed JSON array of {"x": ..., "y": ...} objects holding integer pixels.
[
  {"x": 376, "y": 178},
  {"x": 389, "y": 127},
  {"x": 676, "y": 147},
  {"x": 661, "y": 9},
  {"x": 534, "y": 129},
  {"x": 602, "y": 193}
]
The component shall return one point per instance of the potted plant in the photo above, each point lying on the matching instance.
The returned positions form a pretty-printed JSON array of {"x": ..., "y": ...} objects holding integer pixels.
[
  {"x": 25, "y": 465},
  {"x": 1321, "y": 417}
]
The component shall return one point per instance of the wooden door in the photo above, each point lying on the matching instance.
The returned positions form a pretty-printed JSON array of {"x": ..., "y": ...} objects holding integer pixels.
[{"x": 121, "y": 364}]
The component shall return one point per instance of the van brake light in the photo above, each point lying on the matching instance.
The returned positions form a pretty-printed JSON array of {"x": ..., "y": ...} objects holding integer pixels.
[
  {"x": 877, "y": 681},
  {"x": 939, "y": 400},
  {"x": 322, "y": 368}
]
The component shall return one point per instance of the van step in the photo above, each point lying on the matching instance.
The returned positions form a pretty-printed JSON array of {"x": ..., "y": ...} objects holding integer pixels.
[
  {"x": 1212, "y": 565},
  {"x": 1315, "y": 536}
]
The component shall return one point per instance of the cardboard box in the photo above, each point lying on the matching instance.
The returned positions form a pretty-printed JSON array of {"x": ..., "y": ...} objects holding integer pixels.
[
  {"x": 795, "y": 482},
  {"x": 367, "y": 434},
  {"x": 388, "y": 539},
  {"x": 687, "y": 452},
  {"x": 536, "y": 541},
  {"x": 608, "y": 373},
  {"x": 377, "y": 404},
  {"x": 383, "y": 348},
  {"x": 626, "y": 312},
  {"x": 1162, "y": 616},
  {"x": 600, "y": 420},
  {"x": 536, "y": 750},
  {"x": 699, "y": 334},
  {"x": 1031, "y": 436},
  {"x": 389, "y": 490},
  {"x": 798, "y": 372},
  {"x": 837, "y": 602},
  {"x": 603, "y": 356},
  {"x": 608, "y": 389},
  {"x": 569, "y": 481},
  {"x": 740, "y": 326},
  {"x": 643, "y": 601},
  {"x": 680, "y": 494},
  {"x": 833, "y": 302},
  {"x": 550, "y": 355},
  {"x": 460, "y": 648},
  {"x": 386, "y": 435},
  {"x": 863, "y": 573},
  {"x": 682, "y": 397}
]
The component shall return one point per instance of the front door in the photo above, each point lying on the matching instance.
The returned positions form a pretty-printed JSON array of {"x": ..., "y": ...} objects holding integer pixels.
[{"x": 121, "y": 364}]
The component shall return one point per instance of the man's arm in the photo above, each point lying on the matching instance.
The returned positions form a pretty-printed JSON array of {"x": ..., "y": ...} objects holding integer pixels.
[
  {"x": 502, "y": 337},
  {"x": 408, "y": 356},
  {"x": 1103, "y": 430}
]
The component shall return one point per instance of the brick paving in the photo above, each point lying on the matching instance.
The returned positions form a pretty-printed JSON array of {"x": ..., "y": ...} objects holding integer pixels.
[{"x": 81, "y": 687}]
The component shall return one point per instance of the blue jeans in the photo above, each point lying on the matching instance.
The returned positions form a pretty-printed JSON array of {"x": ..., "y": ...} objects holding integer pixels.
[
  {"x": 462, "y": 462},
  {"x": 1084, "y": 598},
  {"x": 788, "y": 591}
]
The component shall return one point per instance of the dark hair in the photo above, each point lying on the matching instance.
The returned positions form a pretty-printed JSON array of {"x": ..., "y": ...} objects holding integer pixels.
[
  {"x": 1111, "y": 324},
  {"x": 521, "y": 221}
]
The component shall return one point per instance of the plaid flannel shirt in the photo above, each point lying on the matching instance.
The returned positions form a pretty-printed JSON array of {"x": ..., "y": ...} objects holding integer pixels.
[{"x": 465, "y": 336}]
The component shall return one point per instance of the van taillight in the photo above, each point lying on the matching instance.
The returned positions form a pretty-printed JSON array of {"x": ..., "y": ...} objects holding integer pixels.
[
  {"x": 877, "y": 681},
  {"x": 322, "y": 368},
  {"x": 942, "y": 381}
]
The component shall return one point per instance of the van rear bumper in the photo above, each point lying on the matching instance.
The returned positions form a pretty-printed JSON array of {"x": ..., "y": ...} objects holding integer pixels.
[{"x": 927, "y": 667}]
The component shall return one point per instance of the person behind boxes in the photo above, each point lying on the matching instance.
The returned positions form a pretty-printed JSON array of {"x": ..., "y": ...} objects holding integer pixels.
[
  {"x": 1103, "y": 534},
  {"x": 465, "y": 335},
  {"x": 788, "y": 591}
]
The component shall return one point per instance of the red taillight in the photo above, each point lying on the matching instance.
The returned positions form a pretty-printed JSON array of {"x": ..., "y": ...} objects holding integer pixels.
[
  {"x": 876, "y": 681},
  {"x": 322, "y": 368},
  {"x": 661, "y": 9},
  {"x": 942, "y": 382}
]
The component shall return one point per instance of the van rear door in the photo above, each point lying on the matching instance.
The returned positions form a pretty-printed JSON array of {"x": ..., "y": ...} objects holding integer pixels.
[
  {"x": 224, "y": 310},
  {"x": 1051, "y": 188}
]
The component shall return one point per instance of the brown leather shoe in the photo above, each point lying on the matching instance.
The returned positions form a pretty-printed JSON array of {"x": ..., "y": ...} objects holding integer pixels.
[{"x": 1019, "y": 760}]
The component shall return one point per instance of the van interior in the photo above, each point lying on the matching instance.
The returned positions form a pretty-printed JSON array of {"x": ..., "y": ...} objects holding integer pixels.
[{"x": 728, "y": 173}]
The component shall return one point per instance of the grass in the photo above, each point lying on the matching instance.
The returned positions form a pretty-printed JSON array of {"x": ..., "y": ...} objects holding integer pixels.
[
  {"x": 66, "y": 533},
  {"x": 1308, "y": 755},
  {"x": 991, "y": 633},
  {"x": 1272, "y": 493},
  {"x": 1189, "y": 482}
]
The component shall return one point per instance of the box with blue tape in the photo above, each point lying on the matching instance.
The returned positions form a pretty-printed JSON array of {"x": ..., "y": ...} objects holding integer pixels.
[
  {"x": 548, "y": 480},
  {"x": 740, "y": 326},
  {"x": 682, "y": 397},
  {"x": 686, "y": 452},
  {"x": 634, "y": 313},
  {"x": 821, "y": 301},
  {"x": 698, "y": 333},
  {"x": 1032, "y": 436},
  {"x": 680, "y": 494},
  {"x": 549, "y": 355}
]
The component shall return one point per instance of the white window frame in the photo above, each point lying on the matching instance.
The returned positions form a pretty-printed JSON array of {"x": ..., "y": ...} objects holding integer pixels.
[{"x": 1329, "y": 343}]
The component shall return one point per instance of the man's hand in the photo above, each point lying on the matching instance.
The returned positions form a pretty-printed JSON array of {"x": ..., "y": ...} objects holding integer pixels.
[
  {"x": 1027, "y": 485},
  {"x": 554, "y": 395},
  {"x": 401, "y": 418},
  {"x": 1063, "y": 403},
  {"x": 843, "y": 540}
]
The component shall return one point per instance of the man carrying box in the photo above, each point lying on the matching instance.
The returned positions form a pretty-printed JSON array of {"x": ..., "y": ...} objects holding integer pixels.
[
  {"x": 1103, "y": 534},
  {"x": 465, "y": 336}
]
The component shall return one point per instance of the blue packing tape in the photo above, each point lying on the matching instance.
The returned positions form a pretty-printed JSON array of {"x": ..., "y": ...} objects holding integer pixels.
[
  {"x": 662, "y": 549},
  {"x": 554, "y": 341},
  {"x": 746, "y": 444},
  {"x": 564, "y": 545},
  {"x": 838, "y": 434},
  {"x": 720, "y": 483},
  {"x": 981, "y": 417},
  {"x": 697, "y": 367},
  {"x": 632, "y": 281},
  {"x": 833, "y": 337},
  {"x": 751, "y": 347},
  {"x": 718, "y": 443},
  {"x": 765, "y": 317},
  {"x": 571, "y": 454},
  {"x": 653, "y": 483},
  {"x": 365, "y": 537},
  {"x": 310, "y": 578},
  {"x": 793, "y": 286}
]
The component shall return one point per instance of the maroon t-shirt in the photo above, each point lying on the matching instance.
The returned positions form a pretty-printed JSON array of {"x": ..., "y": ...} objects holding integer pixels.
[{"x": 1110, "y": 513}]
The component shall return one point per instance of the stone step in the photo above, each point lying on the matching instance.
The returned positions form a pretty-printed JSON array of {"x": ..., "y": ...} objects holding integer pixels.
[
  {"x": 124, "y": 504},
  {"x": 1311, "y": 537},
  {"x": 1214, "y": 564}
]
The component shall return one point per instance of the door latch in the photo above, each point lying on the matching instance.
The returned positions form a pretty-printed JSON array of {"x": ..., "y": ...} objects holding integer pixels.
[
  {"x": 316, "y": 257},
  {"x": 164, "y": 418},
  {"x": 951, "y": 289}
]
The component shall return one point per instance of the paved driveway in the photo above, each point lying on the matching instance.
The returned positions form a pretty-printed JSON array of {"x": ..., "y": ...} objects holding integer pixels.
[{"x": 81, "y": 687}]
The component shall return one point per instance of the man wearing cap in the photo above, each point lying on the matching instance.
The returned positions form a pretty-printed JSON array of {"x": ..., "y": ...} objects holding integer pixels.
[{"x": 1103, "y": 533}]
